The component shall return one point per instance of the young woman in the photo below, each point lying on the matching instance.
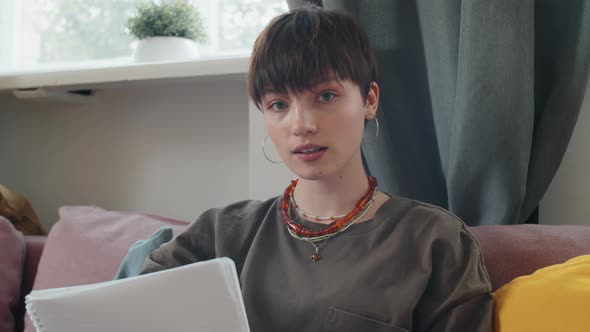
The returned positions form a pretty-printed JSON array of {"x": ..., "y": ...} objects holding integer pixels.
[{"x": 334, "y": 253}]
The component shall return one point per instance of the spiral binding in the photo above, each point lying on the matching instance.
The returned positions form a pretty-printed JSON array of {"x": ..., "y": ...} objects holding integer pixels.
[{"x": 33, "y": 315}]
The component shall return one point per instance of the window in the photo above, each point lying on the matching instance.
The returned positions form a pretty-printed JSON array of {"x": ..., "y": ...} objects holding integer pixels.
[{"x": 76, "y": 33}]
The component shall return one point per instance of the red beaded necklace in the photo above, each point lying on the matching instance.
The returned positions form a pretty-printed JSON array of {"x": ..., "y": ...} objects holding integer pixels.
[{"x": 334, "y": 226}]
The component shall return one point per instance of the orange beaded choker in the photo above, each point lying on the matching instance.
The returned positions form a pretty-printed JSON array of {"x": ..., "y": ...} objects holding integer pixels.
[{"x": 334, "y": 226}]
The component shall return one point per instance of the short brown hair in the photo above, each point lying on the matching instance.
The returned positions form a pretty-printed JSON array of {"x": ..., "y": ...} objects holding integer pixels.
[{"x": 307, "y": 46}]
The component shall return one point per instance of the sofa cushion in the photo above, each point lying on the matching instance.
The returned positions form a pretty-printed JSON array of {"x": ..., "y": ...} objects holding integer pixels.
[
  {"x": 88, "y": 243},
  {"x": 516, "y": 250},
  {"x": 34, "y": 248},
  {"x": 12, "y": 255},
  {"x": 554, "y": 298}
]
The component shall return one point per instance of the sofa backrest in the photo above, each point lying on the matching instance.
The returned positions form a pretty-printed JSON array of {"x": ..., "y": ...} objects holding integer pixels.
[
  {"x": 509, "y": 251},
  {"x": 12, "y": 256},
  {"x": 515, "y": 250}
]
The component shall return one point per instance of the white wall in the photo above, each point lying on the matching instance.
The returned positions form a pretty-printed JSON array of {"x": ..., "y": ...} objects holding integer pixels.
[
  {"x": 567, "y": 201},
  {"x": 173, "y": 150},
  {"x": 178, "y": 149}
]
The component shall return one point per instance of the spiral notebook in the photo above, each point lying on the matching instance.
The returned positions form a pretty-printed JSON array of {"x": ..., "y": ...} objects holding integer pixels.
[{"x": 203, "y": 296}]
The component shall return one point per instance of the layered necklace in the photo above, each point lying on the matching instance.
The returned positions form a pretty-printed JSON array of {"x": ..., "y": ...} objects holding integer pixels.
[{"x": 338, "y": 225}]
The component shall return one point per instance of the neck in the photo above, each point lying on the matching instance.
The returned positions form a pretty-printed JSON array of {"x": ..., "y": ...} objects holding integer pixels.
[{"x": 332, "y": 195}]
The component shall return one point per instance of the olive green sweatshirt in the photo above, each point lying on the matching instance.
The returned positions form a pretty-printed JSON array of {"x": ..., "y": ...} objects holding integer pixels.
[{"x": 413, "y": 267}]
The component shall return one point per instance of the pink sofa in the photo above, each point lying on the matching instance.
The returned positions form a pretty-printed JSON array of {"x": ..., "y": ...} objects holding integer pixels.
[
  {"x": 33, "y": 251},
  {"x": 88, "y": 243}
]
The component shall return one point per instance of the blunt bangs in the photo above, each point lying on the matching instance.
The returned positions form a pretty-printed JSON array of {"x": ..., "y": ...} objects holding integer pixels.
[{"x": 308, "y": 46}]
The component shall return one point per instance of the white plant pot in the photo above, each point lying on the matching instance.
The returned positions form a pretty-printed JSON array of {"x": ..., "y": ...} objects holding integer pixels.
[{"x": 157, "y": 49}]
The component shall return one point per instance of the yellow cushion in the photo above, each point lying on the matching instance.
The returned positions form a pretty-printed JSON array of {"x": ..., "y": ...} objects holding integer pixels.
[{"x": 554, "y": 298}]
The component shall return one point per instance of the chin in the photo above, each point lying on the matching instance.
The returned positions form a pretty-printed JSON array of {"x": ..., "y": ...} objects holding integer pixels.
[
  {"x": 310, "y": 173},
  {"x": 313, "y": 177}
]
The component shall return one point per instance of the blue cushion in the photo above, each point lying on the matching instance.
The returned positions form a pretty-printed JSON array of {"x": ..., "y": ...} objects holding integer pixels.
[{"x": 133, "y": 263}]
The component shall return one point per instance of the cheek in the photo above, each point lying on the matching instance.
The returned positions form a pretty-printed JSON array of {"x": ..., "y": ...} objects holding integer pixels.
[
  {"x": 272, "y": 128},
  {"x": 353, "y": 124},
  {"x": 277, "y": 136}
]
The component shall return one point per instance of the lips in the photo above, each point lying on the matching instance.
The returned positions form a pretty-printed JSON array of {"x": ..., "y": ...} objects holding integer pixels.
[
  {"x": 309, "y": 148},
  {"x": 310, "y": 152}
]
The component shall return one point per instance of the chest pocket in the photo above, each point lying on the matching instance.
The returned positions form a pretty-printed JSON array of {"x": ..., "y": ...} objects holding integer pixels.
[{"x": 343, "y": 321}]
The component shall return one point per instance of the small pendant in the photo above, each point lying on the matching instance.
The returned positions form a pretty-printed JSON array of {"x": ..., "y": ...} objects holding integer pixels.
[{"x": 316, "y": 257}]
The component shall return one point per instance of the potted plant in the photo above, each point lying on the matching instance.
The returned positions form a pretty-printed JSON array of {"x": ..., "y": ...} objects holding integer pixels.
[{"x": 166, "y": 31}]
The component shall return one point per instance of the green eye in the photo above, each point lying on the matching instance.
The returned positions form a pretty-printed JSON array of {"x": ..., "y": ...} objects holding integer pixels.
[
  {"x": 327, "y": 96},
  {"x": 277, "y": 106}
]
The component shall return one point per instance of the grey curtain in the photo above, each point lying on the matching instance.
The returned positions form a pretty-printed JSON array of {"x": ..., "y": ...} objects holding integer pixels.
[{"x": 479, "y": 98}]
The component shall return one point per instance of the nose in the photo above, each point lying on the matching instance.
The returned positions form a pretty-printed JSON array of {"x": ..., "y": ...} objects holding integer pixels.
[{"x": 303, "y": 122}]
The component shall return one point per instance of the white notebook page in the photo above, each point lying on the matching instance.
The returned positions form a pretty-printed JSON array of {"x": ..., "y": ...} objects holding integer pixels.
[{"x": 204, "y": 296}]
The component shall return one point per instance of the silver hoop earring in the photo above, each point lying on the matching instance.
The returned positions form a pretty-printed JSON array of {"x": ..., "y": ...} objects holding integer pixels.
[
  {"x": 376, "y": 133},
  {"x": 264, "y": 152}
]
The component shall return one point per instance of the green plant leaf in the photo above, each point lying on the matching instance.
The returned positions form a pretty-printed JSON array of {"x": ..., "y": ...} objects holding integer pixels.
[{"x": 174, "y": 18}]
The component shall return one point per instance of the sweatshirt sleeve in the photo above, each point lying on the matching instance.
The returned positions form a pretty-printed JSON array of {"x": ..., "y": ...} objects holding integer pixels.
[
  {"x": 196, "y": 243},
  {"x": 458, "y": 294},
  {"x": 218, "y": 232}
]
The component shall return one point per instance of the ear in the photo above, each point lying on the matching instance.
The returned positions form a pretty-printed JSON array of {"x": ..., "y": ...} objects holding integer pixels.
[{"x": 372, "y": 101}]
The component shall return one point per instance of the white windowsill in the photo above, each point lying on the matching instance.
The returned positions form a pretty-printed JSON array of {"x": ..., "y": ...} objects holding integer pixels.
[{"x": 125, "y": 75}]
